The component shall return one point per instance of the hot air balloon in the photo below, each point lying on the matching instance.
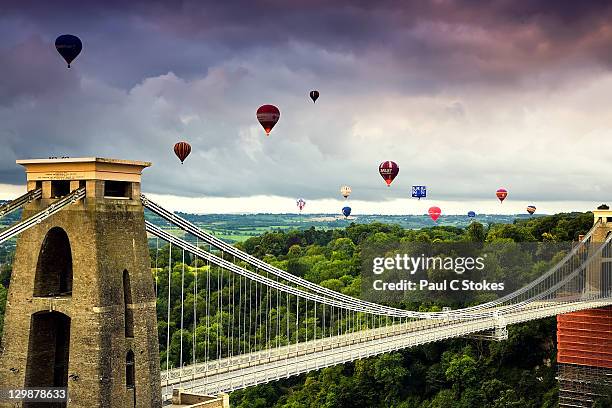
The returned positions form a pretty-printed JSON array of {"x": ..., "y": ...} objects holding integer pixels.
[
  {"x": 501, "y": 193},
  {"x": 471, "y": 214},
  {"x": 346, "y": 211},
  {"x": 388, "y": 170},
  {"x": 434, "y": 213},
  {"x": 531, "y": 209},
  {"x": 314, "y": 95},
  {"x": 182, "y": 150},
  {"x": 268, "y": 115},
  {"x": 301, "y": 203},
  {"x": 419, "y": 192},
  {"x": 69, "y": 47},
  {"x": 345, "y": 191}
]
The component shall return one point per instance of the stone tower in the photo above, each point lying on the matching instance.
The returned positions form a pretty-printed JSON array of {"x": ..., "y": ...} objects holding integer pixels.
[
  {"x": 597, "y": 279},
  {"x": 81, "y": 303}
]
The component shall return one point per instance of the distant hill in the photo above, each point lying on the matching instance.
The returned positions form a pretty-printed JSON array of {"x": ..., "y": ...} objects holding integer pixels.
[
  {"x": 11, "y": 218},
  {"x": 238, "y": 227}
]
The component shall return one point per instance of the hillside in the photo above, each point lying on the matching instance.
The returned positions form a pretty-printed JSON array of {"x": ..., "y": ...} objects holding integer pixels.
[{"x": 239, "y": 227}]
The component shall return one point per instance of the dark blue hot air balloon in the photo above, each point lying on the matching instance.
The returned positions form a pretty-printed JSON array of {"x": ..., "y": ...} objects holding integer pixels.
[
  {"x": 346, "y": 211},
  {"x": 471, "y": 214},
  {"x": 69, "y": 47},
  {"x": 419, "y": 192}
]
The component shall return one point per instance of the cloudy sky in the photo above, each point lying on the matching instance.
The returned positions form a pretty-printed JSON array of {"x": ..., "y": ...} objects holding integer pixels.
[{"x": 465, "y": 96}]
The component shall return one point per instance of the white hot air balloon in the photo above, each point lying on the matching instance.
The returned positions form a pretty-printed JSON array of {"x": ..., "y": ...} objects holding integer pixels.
[{"x": 345, "y": 191}]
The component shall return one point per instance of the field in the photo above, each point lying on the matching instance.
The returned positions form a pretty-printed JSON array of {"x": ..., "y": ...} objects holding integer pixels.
[{"x": 239, "y": 227}]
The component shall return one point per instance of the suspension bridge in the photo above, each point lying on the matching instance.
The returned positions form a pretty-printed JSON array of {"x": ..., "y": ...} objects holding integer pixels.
[{"x": 249, "y": 322}]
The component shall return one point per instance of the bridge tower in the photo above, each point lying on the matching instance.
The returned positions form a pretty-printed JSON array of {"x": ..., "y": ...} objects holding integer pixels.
[
  {"x": 584, "y": 338},
  {"x": 81, "y": 304}
]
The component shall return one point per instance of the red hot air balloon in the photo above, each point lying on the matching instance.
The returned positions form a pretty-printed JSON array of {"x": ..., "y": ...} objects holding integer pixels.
[
  {"x": 434, "y": 213},
  {"x": 182, "y": 150},
  {"x": 388, "y": 170},
  {"x": 502, "y": 193},
  {"x": 268, "y": 115}
]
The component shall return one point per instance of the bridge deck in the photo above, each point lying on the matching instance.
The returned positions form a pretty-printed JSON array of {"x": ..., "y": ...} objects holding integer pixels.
[{"x": 242, "y": 371}]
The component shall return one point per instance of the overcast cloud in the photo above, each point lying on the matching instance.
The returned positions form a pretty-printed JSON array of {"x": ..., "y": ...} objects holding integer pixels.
[{"x": 465, "y": 96}]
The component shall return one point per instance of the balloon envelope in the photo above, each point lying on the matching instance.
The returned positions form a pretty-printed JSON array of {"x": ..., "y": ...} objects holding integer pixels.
[
  {"x": 345, "y": 191},
  {"x": 182, "y": 150},
  {"x": 301, "y": 203},
  {"x": 501, "y": 194},
  {"x": 471, "y": 214},
  {"x": 531, "y": 209},
  {"x": 346, "y": 211},
  {"x": 388, "y": 171},
  {"x": 314, "y": 95},
  {"x": 419, "y": 192},
  {"x": 268, "y": 115},
  {"x": 69, "y": 47},
  {"x": 434, "y": 213}
]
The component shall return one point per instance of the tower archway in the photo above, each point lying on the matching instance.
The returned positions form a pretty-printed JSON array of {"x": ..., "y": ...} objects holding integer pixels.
[
  {"x": 54, "y": 266},
  {"x": 48, "y": 351}
]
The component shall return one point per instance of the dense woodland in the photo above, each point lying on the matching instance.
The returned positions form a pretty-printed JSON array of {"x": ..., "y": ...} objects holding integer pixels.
[{"x": 519, "y": 372}]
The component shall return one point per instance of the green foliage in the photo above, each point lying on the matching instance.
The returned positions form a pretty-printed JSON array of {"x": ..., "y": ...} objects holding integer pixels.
[{"x": 454, "y": 373}]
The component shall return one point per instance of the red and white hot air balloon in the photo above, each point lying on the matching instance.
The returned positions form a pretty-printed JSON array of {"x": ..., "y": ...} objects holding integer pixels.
[
  {"x": 388, "y": 171},
  {"x": 501, "y": 194},
  {"x": 301, "y": 203},
  {"x": 434, "y": 213},
  {"x": 268, "y": 115}
]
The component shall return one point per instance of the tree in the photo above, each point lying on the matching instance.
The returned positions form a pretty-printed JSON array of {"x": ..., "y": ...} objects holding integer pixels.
[
  {"x": 390, "y": 373},
  {"x": 444, "y": 399},
  {"x": 461, "y": 369},
  {"x": 476, "y": 232}
]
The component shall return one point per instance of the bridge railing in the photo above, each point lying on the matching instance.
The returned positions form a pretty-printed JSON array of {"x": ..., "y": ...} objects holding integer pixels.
[{"x": 42, "y": 215}]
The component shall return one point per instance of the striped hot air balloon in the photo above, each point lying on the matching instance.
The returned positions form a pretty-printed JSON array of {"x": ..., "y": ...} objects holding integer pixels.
[
  {"x": 182, "y": 150},
  {"x": 501, "y": 194},
  {"x": 531, "y": 209}
]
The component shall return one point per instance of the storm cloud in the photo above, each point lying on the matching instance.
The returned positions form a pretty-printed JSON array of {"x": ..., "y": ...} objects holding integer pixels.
[{"x": 466, "y": 96}]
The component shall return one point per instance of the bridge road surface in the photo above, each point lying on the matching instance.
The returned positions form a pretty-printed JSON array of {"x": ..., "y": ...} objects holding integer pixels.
[{"x": 242, "y": 371}]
